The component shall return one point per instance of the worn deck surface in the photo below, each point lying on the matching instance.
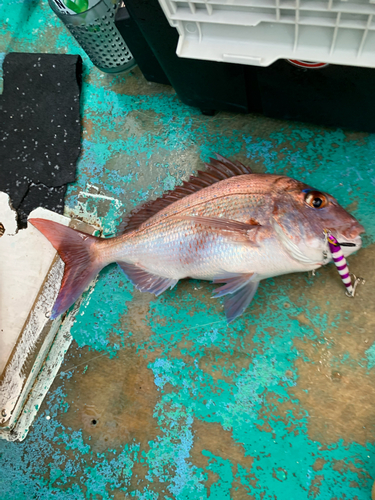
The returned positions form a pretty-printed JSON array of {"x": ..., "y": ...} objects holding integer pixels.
[{"x": 158, "y": 397}]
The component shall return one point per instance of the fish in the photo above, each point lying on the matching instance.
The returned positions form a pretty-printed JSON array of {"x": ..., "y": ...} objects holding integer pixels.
[{"x": 227, "y": 225}]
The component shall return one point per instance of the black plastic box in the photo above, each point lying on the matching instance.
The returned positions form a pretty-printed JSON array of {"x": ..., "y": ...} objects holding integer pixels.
[{"x": 339, "y": 96}]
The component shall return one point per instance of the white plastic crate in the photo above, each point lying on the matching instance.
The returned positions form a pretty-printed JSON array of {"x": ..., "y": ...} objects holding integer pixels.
[{"x": 258, "y": 32}]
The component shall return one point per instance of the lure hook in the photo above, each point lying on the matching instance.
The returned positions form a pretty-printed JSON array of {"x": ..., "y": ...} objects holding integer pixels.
[
  {"x": 338, "y": 258},
  {"x": 356, "y": 282}
]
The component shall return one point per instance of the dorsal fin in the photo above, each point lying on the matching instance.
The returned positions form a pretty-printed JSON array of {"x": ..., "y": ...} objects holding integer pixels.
[{"x": 217, "y": 170}]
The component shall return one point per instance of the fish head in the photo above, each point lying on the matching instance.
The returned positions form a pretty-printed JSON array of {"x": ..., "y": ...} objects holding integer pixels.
[{"x": 305, "y": 214}]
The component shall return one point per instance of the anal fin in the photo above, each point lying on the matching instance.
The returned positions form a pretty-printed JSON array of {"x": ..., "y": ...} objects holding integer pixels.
[
  {"x": 146, "y": 281},
  {"x": 239, "y": 291}
]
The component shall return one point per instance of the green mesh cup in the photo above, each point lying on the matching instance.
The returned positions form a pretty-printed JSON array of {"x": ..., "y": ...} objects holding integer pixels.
[{"x": 95, "y": 30}]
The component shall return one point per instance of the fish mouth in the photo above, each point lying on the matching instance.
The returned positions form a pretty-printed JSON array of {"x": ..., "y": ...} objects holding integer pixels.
[{"x": 350, "y": 237}]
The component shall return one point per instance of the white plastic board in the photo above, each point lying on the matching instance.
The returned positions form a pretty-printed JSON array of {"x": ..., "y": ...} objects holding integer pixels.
[
  {"x": 32, "y": 347},
  {"x": 259, "y": 32}
]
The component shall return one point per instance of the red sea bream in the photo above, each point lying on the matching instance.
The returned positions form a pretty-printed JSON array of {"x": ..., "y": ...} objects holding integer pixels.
[{"x": 227, "y": 225}]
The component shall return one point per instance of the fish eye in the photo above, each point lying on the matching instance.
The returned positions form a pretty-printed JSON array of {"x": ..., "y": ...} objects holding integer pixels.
[{"x": 316, "y": 200}]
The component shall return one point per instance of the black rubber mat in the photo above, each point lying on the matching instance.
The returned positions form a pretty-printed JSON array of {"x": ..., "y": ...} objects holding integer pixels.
[{"x": 40, "y": 129}]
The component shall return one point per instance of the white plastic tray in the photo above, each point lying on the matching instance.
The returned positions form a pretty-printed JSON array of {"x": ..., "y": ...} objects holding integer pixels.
[{"x": 258, "y": 32}]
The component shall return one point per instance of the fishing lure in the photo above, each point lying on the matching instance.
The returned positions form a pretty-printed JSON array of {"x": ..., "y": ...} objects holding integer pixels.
[{"x": 342, "y": 266}]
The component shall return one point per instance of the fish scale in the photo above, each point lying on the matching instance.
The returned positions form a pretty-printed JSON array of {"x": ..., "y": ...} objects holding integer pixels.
[
  {"x": 192, "y": 250},
  {"x": 166, "y": 233},
  {"x": 227, "y": 225}
]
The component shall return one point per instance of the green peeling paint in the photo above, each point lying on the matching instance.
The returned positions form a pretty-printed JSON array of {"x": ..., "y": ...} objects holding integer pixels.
[
  {"x": 370, "y": 353},
  {"x": 109, "y": 299}
]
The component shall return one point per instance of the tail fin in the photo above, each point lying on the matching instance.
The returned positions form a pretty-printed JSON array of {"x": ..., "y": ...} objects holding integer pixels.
[{"x": 78, "y": 251}]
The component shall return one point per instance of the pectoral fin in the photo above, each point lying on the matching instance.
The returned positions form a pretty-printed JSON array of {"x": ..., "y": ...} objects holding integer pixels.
[
  {"x": 243, "y": 231},
  {"x": 239, "y": 290}
]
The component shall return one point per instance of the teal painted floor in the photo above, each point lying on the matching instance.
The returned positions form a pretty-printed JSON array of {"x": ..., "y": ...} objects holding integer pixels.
[{"x": 159, "y": 398}]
